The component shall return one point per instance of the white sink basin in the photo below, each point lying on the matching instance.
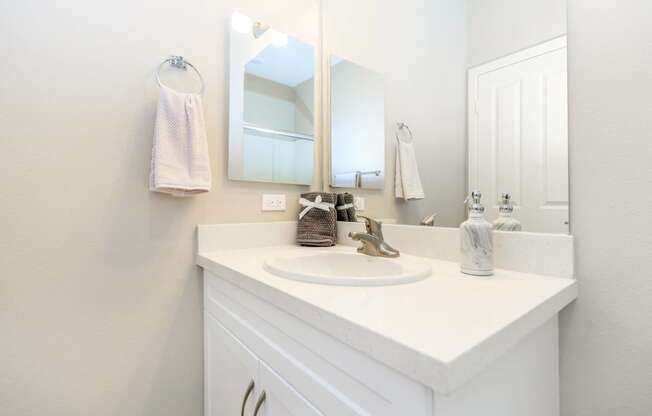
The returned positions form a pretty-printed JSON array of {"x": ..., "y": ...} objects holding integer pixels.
[{"x": 348, "y": 268}]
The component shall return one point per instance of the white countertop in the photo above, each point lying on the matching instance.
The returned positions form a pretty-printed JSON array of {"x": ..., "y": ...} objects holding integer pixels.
[{"x": 441, "y": 331}]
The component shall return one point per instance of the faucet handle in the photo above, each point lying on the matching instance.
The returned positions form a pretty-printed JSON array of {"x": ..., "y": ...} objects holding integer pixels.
[{"x": 373, "y": 226}]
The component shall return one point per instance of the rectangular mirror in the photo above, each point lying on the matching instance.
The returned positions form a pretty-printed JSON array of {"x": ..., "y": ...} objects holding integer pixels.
[
  {"x": 271, "y": 102},
  {"x": 482, "y": 86},
  {"x": 357, "y": 126}
]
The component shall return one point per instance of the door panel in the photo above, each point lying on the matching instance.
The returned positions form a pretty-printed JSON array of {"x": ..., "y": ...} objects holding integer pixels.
[
  {"x": 281, "y": 399},
  {"x": 518, "y": 136},
  {"x": 230, "y": 367}
]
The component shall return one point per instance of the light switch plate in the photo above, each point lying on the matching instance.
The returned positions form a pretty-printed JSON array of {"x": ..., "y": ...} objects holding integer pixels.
[
  {"x": 273, "y": 202},
  {"x": 358, "y": 203}
]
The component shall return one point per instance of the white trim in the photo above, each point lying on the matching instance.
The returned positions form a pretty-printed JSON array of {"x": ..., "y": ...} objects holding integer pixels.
[
  {"x": 523, "y": 55},
  {"x": 472, "y": 97}
]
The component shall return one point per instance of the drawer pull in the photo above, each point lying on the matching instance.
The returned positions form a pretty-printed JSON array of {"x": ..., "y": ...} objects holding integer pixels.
[
  {"x": 260, "y": 402},
  {"x": 250, "y": 388}
]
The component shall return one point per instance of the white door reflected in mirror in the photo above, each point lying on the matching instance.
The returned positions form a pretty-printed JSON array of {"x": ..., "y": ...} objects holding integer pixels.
[{"x": 518, "y": 135}]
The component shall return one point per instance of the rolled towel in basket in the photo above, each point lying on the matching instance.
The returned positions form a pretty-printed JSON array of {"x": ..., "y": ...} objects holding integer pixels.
[
  {"x": 345, "y": 208},
  {"x": 317, "y": 220},
  {"x": 342, "y": 212},
  {"x": 350, "y": 207}
]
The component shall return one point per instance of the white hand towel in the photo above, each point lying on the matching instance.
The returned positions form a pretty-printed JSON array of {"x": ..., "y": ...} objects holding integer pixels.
[
  {"x": 180, "y": 165},
  {"x": 408, "y": 183},
  {"x": 346, "y": 180}
]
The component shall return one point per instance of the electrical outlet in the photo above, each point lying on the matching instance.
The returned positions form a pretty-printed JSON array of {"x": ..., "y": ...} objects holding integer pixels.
[
  {"x": 358, "y": 203},
  {"x": 273, "y": 202}
]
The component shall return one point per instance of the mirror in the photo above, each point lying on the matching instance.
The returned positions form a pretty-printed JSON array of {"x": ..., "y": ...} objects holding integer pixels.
[
  {"x": 475, "y": 93},
  {"x": 271, "y": 105},
  {"x": 357, "y": 126}
]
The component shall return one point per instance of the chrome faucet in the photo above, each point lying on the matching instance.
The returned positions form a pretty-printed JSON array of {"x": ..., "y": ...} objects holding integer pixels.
[{"x": 373, "y": 243}]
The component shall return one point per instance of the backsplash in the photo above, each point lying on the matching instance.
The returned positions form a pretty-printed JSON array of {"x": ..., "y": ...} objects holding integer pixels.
[{"x": 545, "y": 254}]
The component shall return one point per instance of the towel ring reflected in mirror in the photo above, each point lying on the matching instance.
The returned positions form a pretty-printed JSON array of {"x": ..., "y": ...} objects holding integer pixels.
[
  {"x": 179, "y": 62},
  {"x": 403, "y": 126}
]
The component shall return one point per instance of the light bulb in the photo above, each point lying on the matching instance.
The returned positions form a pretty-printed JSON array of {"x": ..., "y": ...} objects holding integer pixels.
[
  {"x": 279, "y": 39},
  {"x": 241, "y": 23}
]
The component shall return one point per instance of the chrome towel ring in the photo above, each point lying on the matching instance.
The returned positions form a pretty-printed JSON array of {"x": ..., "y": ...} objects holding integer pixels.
[
  {"x": 181, "y": 63},
  {"x": 400, "y": 126}
]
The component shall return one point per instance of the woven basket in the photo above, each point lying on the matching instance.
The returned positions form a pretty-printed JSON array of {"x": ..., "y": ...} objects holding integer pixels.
[{"x": 318, "y": 228}]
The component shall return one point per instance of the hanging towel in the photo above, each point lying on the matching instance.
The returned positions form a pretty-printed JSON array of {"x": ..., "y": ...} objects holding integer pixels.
[
  {"x": 346, "y": 180},
  {"x": 408, "y": 183},
  {"x": 180, "y": 164}
]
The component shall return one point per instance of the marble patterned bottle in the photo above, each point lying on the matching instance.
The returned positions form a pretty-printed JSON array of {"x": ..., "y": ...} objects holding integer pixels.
[
  {"x": 506, "y": 220},
  {"x": 476, "y": 237}
]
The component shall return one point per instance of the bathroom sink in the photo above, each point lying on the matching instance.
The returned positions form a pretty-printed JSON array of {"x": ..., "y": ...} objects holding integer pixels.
[{"x": 348, "y": 268}]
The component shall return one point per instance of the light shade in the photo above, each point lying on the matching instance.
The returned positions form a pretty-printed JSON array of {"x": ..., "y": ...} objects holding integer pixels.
[{"x": 241, "y": 23}]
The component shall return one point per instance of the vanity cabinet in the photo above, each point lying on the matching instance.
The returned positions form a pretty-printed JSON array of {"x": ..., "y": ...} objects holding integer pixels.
[{"x": 304, "y": 371}]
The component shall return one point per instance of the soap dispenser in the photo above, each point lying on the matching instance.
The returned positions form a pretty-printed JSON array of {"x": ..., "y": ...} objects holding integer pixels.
[
  {"x": 506, "y": 220},
  {"x": 476, "y": 240}
]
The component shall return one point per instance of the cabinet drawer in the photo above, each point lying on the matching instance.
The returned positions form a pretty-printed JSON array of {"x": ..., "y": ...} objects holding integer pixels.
[{"x": 334, "y": 378}]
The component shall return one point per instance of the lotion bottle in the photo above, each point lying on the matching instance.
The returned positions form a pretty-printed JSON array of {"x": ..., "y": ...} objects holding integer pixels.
[
  {"x": 476, "y": 237},
  {"x": 506, "y": 220}
]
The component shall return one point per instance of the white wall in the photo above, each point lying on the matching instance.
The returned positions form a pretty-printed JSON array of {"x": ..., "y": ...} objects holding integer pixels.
[
  {"x": 419, "y": 49},
  {"x": 269, "y": 104},
  {"x": 606, "y": 336},
  {"x": 100, "y": 301},
  {"x": 499, "y": 27}
]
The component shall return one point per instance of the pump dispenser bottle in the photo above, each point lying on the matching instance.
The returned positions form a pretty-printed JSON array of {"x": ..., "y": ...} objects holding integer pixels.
[
  {"x": 506, "y": 220},
  {"x": 477, "y": 240}
]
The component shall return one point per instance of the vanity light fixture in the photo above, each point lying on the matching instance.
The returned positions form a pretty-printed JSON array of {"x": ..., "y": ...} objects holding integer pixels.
[
  {"x": 276, "y": 38},
  {"x": 244, "y": 24},
  {"x": 241, "y": 23},
  {"x": 259, "y": 29}
]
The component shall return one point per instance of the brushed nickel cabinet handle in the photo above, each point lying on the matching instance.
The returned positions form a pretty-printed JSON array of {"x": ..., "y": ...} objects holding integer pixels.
[
  {"x": 250, "y": 388},
  {"x": 260, "y": 402}
]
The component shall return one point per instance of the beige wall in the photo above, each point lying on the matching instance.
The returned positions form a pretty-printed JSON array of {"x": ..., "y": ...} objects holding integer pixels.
[
  {"x": 100, "y": 301},
  {"x": 500, "y": 27},
  {"x": 606, "y": 335}
]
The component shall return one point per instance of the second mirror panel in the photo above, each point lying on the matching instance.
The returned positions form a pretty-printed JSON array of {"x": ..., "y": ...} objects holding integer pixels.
[{"x": 357, "y": 125}]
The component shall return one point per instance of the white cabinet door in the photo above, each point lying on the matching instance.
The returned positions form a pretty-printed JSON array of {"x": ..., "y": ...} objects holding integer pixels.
[
  {"x": 230, "y": 368},
  {"x": 280, "y": 399},
  {"x": 518, "y": 135}
]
